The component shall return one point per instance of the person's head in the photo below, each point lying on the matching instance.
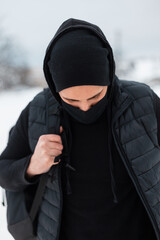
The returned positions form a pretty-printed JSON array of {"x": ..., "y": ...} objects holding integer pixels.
[
  {"x": 79, "y": 69},
  {"x": 84, "y": 96},
  {"x": 78, "y": 54}
]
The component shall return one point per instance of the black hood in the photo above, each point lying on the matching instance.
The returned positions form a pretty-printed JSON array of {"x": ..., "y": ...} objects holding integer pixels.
[{"x": 69, "y": 25}]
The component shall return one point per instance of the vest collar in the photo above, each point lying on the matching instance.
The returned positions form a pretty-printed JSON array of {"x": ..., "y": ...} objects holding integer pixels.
[{"x": 121, "y": 99}]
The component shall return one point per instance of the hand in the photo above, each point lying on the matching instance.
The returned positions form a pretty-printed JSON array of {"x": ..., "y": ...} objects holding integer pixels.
[{"x": 48, "y": 147}]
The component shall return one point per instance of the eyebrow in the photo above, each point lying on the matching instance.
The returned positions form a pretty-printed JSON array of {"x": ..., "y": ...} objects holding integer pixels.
[{"x": 87, "y": 99}]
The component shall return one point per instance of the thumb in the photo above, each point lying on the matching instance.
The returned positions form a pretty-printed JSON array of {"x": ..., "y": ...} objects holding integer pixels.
[{"x": 61, "y": 129}]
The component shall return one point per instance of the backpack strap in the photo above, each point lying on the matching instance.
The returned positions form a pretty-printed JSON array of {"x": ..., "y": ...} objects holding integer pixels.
[
  {"x": 38, "y": 196},
  {"x": 53, "y": 127}
]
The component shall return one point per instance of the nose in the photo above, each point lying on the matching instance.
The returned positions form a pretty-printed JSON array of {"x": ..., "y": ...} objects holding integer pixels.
[{"x": 85, "y": 107}]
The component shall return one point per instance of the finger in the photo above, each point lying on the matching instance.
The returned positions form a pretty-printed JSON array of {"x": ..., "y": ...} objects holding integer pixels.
[
  {"x": 54, "y": 152},
  {"x": 51, "y": 138},
  {"x": 55, "y": 163},
  {"x": 61, "y": 129},
  {"x": 55, "y": 145}
]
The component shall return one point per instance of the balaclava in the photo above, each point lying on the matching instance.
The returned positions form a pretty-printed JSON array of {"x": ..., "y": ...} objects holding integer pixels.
[{"x": 79, "y": 57}]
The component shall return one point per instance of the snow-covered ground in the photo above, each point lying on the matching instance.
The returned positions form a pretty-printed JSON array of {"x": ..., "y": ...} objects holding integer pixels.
[{"x": 11, "y": 104}]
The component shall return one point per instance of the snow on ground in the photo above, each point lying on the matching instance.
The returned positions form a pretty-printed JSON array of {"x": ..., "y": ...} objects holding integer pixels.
[{"x": 11, "y": 104}]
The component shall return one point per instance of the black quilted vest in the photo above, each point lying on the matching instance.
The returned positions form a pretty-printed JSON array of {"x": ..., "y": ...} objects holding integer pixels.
[{"x": 134, "y": 129}]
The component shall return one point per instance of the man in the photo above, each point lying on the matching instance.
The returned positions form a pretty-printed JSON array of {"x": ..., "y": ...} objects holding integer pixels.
[{"x": 111, "y": 158}]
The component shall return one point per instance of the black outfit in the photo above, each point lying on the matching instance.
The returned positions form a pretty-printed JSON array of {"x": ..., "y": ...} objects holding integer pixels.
[
  {"x": 116, "y": 212},
  {"x": 85, "y": 214}
]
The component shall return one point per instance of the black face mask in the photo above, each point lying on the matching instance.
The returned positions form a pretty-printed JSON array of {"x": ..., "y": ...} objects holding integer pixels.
[{"x": 89, "y": 116}]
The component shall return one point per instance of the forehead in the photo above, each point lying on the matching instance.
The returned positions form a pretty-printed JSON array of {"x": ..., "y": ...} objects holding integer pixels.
[{"x": 81, "y": 92}]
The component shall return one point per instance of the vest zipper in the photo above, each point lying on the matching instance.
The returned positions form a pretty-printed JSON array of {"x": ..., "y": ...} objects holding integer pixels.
[
  {"x": 61, "y": 199},
  {"x": 136, "y": 183}
]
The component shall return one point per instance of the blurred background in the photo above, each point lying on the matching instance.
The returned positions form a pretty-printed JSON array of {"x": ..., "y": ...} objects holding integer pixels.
[{"x": 26, "y": 28}]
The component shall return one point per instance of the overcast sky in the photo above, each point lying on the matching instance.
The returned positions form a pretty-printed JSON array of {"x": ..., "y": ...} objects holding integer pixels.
[{"x": 33, "y": 23}]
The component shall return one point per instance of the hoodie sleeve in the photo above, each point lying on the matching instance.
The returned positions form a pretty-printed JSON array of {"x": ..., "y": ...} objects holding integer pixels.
[
  {"x": 157, "y": 110},
  {"x": 15, "y": 158}
]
